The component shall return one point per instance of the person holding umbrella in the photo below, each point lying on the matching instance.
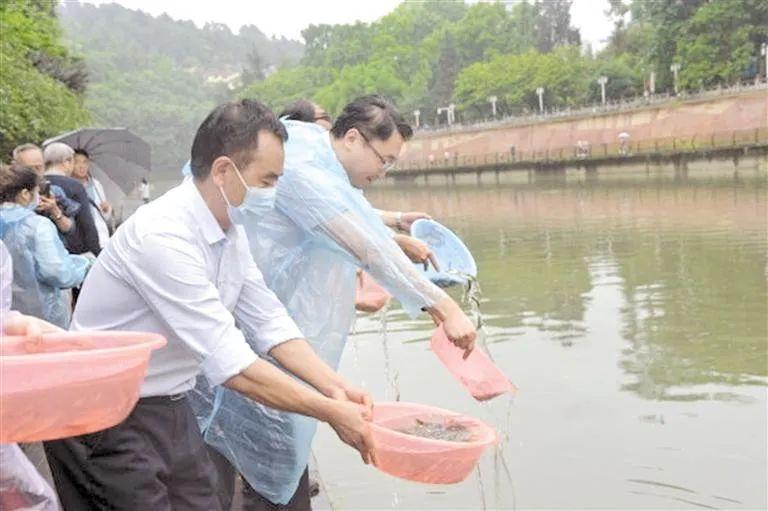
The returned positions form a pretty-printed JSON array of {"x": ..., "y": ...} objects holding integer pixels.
[{"x": 100, "y": 207}]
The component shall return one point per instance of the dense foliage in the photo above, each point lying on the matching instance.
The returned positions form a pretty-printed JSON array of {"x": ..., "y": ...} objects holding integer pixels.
[
  {"x": 160, "y": 77},
  {"x": 429, "y": 54},
  {"x": 40, "y": 82}
]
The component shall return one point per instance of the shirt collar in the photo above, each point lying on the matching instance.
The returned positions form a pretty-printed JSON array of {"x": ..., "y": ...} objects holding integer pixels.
[
  {"x": 55, "y": 172},
  {"x": 212, "y": 231}
]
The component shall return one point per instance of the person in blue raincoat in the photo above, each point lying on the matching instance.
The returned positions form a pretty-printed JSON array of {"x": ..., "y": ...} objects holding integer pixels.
[
  {"x": 322, "y": 229},
  {"x": 42, "y": 267}
]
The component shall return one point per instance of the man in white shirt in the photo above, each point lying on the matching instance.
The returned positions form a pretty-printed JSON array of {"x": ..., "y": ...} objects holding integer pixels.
[{"x": 179, "y": 267}]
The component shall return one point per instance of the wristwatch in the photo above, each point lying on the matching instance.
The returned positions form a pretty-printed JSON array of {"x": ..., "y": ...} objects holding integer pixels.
[
  {"x": 399, "y": 221},
  {"x": 58, "y": 217}
]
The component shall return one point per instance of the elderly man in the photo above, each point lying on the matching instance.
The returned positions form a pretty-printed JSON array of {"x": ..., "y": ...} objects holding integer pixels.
[
  {"x": 59, "y": 163},
  {"x": 54, "y": 203}
]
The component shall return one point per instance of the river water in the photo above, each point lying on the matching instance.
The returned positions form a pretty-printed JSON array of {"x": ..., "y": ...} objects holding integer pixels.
[{"x": 629, "y": 309}]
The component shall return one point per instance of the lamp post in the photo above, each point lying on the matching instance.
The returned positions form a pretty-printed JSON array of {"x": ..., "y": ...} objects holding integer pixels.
[
  {"x": 449, "y": 113},
  {"x": 675, "y": 68},
  {"x": 602, "y": 81},
  {"x": 652, "y": 85},
  {"x": 493, "y": 100},
  {"x": 416, "y": 115},
  {"x": 540, "y": 92},
  {"x": 764, "y": 53}
]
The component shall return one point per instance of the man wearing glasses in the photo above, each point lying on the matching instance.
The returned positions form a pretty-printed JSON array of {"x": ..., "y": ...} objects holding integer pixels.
[{"x": 309, "y": 248}]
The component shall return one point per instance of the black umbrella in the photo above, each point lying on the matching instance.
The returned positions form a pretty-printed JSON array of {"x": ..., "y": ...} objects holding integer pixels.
[{"x": 120, "y": 155}]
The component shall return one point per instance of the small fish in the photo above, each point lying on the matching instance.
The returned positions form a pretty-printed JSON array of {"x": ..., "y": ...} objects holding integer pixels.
[{"x": 450, "y": 431}]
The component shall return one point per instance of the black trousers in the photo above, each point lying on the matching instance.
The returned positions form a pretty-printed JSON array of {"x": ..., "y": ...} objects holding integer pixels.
[
  {"x": 251, "y": 499},
  {"x": 155, "y": 460}
]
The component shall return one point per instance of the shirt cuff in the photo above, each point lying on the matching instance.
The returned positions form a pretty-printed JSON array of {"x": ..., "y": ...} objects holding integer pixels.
[
  {"x": 230, "y": 358},
  {"x": 273, "y": 332}
]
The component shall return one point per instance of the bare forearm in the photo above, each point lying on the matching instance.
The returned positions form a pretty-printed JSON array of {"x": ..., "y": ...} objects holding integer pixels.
[
  {"x": 268, "y": 385},
  {"x": 298, "y": 357},
  {"x": 389, "y": 218},
  {"x": 63, "y": 223}
]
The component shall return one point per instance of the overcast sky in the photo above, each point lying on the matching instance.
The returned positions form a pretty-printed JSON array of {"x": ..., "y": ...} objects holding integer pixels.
[{"x": 289, "y": 17}]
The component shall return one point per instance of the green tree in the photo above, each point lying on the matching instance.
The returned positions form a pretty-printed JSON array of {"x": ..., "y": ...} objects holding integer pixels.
[
  {"x": 720, "y": 41},
  {"x": 37, "y": 102},
  {"x": 288, "y": 85},
  {"x": 554, "y": 25},
  {"x": 563, "y": 74}
]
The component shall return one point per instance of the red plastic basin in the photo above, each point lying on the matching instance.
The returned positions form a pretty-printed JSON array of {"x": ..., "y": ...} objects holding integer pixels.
[
  {"x": 70, "y": 383},
  {"x": 426, "y": 460}
]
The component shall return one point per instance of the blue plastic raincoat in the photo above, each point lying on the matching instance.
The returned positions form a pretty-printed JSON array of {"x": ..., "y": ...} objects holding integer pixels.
[
  {"x": 42, "y": 267},
  {"x": 308, "y": 249}
]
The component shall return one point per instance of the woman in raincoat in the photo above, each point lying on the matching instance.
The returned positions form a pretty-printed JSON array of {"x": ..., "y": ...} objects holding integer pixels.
[
  {"x": 309, "y": 247},
  {"x": 42, "y": 267}
]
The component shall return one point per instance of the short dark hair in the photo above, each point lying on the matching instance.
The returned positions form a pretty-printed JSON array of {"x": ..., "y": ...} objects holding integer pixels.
[
  {"x": 232, "y": 129},
  {"x": 302, "y": 110},
  {"x": 82, "y": 152},
  {"x": 14, "y": 179},
  {"x": 375, "y": 116}
]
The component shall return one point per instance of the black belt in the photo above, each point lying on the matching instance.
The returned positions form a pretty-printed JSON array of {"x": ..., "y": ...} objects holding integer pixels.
[{"x": 151, "y": 400}]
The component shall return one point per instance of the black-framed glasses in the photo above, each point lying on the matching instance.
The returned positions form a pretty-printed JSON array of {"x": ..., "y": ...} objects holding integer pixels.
[
  {"x": 324, "y": 117},
  {"x": 386, "y": 165}
]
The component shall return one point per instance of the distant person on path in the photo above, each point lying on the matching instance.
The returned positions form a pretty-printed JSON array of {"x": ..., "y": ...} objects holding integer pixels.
[
  {"x": 59, "y": 163},
  {"x": 101, "y": 210},
  {"x": 624, "y": 143},
  {"x": 144, "y": 190}
]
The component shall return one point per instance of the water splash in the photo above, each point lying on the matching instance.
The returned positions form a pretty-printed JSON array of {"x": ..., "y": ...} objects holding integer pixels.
[
  {"x": 482, "y": 487},
  {"x": 472, "y": 297},
  {"x": 392, "y": 390},
  {"x": 356, "y": 360}
]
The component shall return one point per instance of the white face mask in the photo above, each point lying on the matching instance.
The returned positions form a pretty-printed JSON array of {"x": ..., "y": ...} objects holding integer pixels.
[{"x": 256, "y": 203}]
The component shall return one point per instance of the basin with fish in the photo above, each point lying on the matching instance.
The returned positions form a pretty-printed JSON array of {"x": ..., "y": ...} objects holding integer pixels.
[{"x": 427, "y": 444}]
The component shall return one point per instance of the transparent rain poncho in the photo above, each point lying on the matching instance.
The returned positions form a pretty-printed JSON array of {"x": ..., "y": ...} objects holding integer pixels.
[
  {"x": 42, "y": 267},
  {"x": 308, "y": 249}
]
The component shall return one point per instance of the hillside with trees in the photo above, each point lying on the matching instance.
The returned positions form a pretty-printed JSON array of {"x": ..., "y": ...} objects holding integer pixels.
[
  {"x": 41, "y": 83},
  {"x": 112, "y": 66},
  {"x": 159, "y": 76}
]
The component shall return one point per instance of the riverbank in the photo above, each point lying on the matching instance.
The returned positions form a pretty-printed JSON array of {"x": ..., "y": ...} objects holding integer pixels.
[{"x": 683, "y": 119}]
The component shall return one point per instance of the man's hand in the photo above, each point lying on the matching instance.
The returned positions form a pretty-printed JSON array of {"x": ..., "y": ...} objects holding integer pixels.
[
  {"x": 458, "y": 327},
  {"x": 15, "y": 323},
  {"x": 407, "y": 219},
  {"x": 347, "y": 392},
  {"x": 416, "y": 250},
  {"x": 48, "y": 207},
  {"x": 350, "y": 424}
]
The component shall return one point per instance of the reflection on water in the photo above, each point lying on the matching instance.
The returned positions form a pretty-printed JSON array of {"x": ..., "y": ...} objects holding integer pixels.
[{"x": 631, "y": 313}]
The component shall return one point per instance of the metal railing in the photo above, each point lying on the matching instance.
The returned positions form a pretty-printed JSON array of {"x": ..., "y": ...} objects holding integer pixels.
[
  {"x": 648, "y": 147},
  {"x": 620, "y": 105}
]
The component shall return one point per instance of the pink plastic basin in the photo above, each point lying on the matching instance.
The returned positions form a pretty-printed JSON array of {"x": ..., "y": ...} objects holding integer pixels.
[
  {"x": 371, "y": 296},
  {"x": 70, "y": 383},
  {"x": 426, "y": 460},
  {"x": 479, "y": 375}
]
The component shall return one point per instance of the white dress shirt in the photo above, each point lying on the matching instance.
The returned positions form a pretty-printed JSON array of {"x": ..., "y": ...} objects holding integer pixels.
[{"x": 171, "y": 269}]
